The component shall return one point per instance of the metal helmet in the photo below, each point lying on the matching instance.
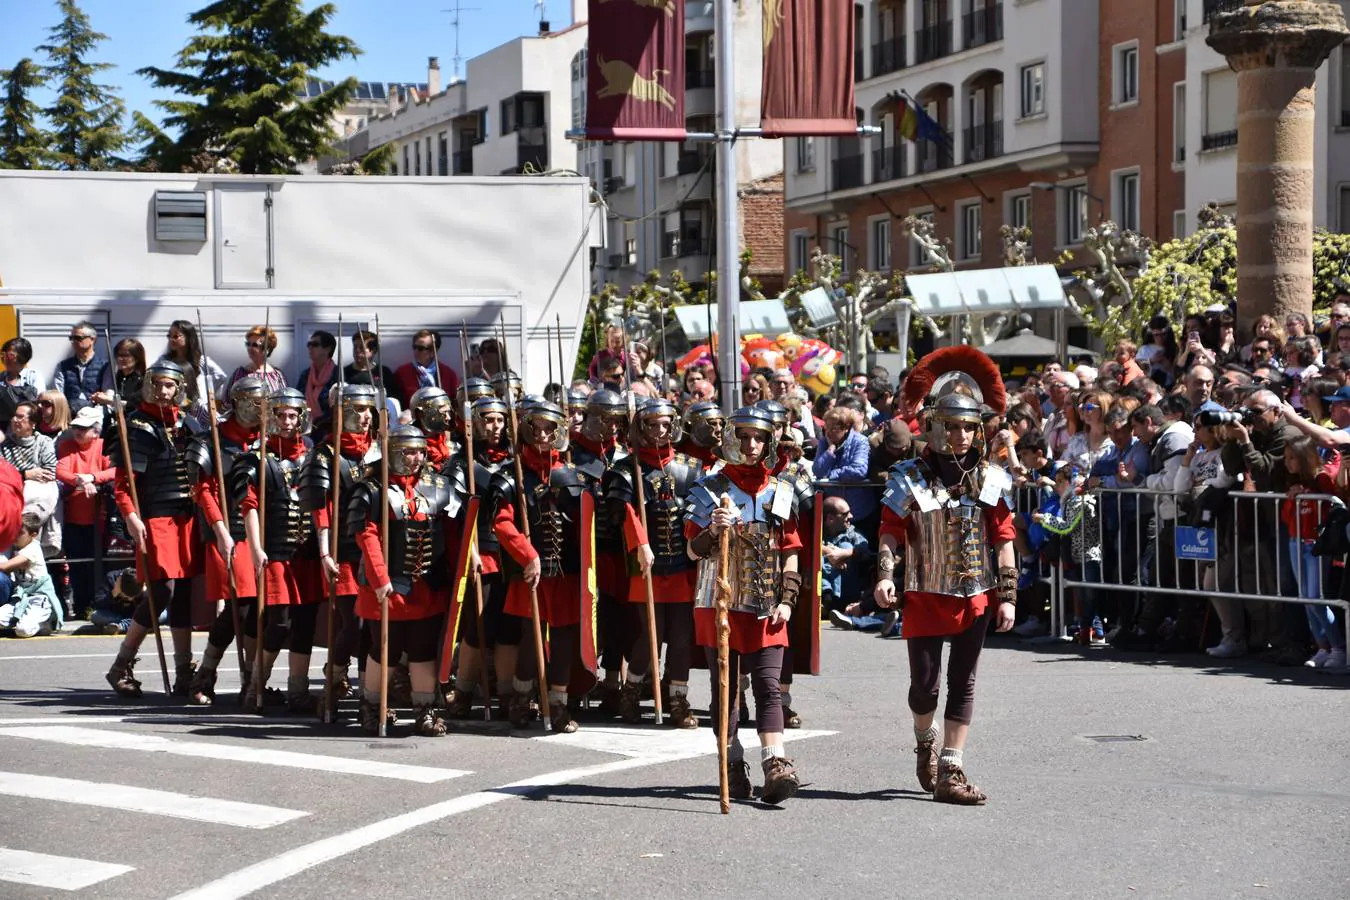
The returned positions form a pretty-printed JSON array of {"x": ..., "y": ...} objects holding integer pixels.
[
  {"x": 401, "y": 438},
  {"x": 536, "y": 412},
  {"x": 648, "y": 411},
  {"x": 474, "y": 386},
  {"x": 246, "y": 397},
  {"x": 704, "y": 422},
  {"x": 576, "y": 399},
  {"x": 501, "y": 380},
  {"x": 482, "y": 407},
  {"x": 165, "y": 368},
  {"x": 777, "y": 412},
  {"x": 604, "y": 408},
  {"x": 955, "y": 406},
  {"x": 748, "y": 417},
  {"x": 430, "y": 408},
  {"x": 354, "y": 398},
  {"x": 288, "y": 398}
]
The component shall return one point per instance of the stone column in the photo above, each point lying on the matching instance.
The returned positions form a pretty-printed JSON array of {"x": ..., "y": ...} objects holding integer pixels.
[{"x": 1276, "y": 47}]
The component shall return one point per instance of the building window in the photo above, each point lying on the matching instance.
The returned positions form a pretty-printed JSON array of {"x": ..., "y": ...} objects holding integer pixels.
[
  {"x": 1127, "y": 200},
  {"x": 801, "y": 252},
  {"x": 1220, "y": 99},
  {"x": 443, "y": 154},
  {"x": 879, "y": 244},
  {"x": 1073, "y": 214},
  {"x": 841, "y": 247},
  {"x": 1019, "y": 211},
  {"x": 1126, "y": 74},
  {"x": 1179, "y": 20},
  {"x": 417, "y": 159},
  {"x": 971, "y": 217},
  {"x": 407, "y": 168},
  {"x": 806, "y": 154},
  {"x": 1179, "y": 222},
  {"x": 1179, "y": 122},
  {"x": 1343, "y": 119},
  {"x": 430, "y": 168},
  {"x": 1033, "y": 90},
  {"x": 917, "y": 255},
  {"x": 508, "y": 115},
  {"x": 579, "y": 90},
  {"x": 1344, "y": 209}
]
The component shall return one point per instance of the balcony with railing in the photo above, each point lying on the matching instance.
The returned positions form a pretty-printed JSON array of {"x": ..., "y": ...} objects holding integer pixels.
[
  {"x": 982, "y": 26},
  {"x": 933, "y": 42},
  {"x": 888, "y": 164},
  {"x": 934, "y": 156},
  {"x": 1211, "y": 8},
  {"x": 1219, "y": 140},
  {"x": 691, "y": 243},
  {"x": 846, "y": 172},
  {"x": 983, "y": 142},
  {"x": 670, "y": 244},
  {"x": 888, "y": 56},
  {"x": 691, "y": 161},
  {"x": 858, "y": 73}
]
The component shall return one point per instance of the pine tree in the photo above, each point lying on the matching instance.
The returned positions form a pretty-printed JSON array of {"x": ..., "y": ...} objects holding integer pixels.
[
  {"x": 245, "y": 73},
  {"x": 86, "y": 117},
  {"x": 23, "y": 143}
]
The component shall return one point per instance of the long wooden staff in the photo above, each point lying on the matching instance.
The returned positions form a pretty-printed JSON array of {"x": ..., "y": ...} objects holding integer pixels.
[
  {"x": 136, "y": 507},
  {"x": 231, "y": 588},
  {"x": 723, "y": 661},
  {"x": 653, "y": 644},
  {"x": 384, "y": 532},
  {"x": 471, "y": 464},
  {"x": 262, "y": 516},
  {"x": 548, "y": 343},
  {"x": 330, "y": 698},
  {"x": 522, "y": 501},
  {"x": 563, "y": 380}
]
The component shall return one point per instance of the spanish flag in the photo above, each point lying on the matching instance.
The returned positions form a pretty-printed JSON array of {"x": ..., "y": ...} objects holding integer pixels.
[{"x": 907, "y": 121}]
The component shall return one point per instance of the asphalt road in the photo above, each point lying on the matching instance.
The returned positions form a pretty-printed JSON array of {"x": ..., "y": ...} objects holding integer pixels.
[{"x": 1238, "y": 787}]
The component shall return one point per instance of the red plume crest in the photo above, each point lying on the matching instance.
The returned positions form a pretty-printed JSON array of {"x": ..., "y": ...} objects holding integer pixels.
[{"x": 975, "y": 363}]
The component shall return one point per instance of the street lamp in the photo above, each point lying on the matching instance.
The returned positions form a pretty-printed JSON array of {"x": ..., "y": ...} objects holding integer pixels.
[{"x": 1051, "y": 186}]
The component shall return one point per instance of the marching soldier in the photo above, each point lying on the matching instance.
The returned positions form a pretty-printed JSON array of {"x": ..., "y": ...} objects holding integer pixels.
[
  {"x": 509, "y": 380},
  {"x": 227, "y": 552},
  {"x": 576, "y": 412},
  {"x": 357, "y": 456},
  {"x": 414, "y": 582},
  {"x": 657, "y": 545},
  {"x": 764, "y": 583},
  {"x": 549, "y": 560},
  {"x": 164, "y": 529},
  {"x": 431, "y": 412},
  {"x": 282, "y": 543},
  {"x": 703, "y": 424},
  {"x": 501, "y": 633}
]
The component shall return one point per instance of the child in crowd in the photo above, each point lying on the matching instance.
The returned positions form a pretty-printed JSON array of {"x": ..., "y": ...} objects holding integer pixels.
[
  {"x": 1309, "y": 473},
  {"x": 116, "y": 600},
  {"x": 1077, "y": 519},
  {"x": 28, "y": 605}
]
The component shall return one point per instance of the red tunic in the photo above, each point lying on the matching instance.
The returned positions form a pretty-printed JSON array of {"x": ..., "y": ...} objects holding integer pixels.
[
  {"x": 941, "y": 615},
  {"x": 173, "y": 547},
  {"x": 295, "y": 581},
  {"x": 422, "y": 602},
  {"x": 245, "y": 581},
  {"x": 749, "y": 633},
  {"x": 492, "y": 564},
  {"x": 353, "y": 447},
  {"x": 560, "y": 595},
  {"x": 675, "y": 588},
  {"x": 611, "y": 572}
]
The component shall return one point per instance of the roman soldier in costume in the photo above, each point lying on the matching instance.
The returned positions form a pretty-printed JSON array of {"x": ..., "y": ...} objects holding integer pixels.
[
  {"x": 951, "y": 510},
  {"x": 284, "y": 548},
  {"x": 222, "y": 517},
  {"x": 703, "y": 424},
  {"x": 764, "y": 584},
  {"x": 657, "y": 546},
  {"x": 509, "y": 380},
  {"x": 415, "y": 582},
  {"x": 575, "y": 402},
  {"x": 159, "y": 433},
  {"x": 431, "y": 412},
  {"x": 473, "y": 388},
  {"x": 549, "y": 559},
  {"x": 501, "y": 633},
  {"x": 356, "y": 459}
]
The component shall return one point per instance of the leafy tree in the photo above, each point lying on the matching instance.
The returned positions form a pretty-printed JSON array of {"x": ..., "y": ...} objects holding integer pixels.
[
  {"x": 379, "y": 161},
  {"x": 244, "y": 77},
  {"x": 23, "y": 143},
  {"x": 86, "y": 117}
]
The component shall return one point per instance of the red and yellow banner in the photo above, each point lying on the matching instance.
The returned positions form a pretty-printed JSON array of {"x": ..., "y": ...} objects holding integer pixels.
[
  {"x": 808, "y": 68},
  {"x": 459, "y": 586},
  {"x": 804, "y": 626},
  {"x": 635, "y": 70}
]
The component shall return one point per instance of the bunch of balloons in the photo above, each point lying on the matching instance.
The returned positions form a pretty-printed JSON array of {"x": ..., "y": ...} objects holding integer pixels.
[{"x": 813, "y": 362}]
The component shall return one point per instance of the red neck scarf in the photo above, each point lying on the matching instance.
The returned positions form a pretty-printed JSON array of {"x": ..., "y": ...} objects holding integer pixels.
[
  {"x": 438, "y": 448},
  {"x": 353, "y": 445},
  {"x": 235, "y": 432},
  {"x": 539, "y": 463},
  {"x": 168, "y": 414},
  {"x": 752, "y": 478},
  {"x": 286, "y": 448},
  {"x": 656, "y": 457},
  {"x": 496, "y": 454}
]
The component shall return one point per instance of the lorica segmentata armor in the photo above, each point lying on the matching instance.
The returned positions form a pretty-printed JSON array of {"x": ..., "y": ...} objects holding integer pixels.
[{"x": 756, "y": 565}]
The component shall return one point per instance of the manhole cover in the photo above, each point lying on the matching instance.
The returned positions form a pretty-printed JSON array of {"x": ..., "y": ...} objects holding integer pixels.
[{"x": 1114, "y": 738}]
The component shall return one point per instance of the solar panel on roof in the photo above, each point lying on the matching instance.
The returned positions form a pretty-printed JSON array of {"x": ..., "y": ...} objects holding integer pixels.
[
  {"x": 377, "y": 90},
  {"x": 363, "y": 91}
]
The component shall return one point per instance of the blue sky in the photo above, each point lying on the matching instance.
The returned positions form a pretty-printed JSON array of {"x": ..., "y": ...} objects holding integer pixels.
[{"x": 396, "y": 37}]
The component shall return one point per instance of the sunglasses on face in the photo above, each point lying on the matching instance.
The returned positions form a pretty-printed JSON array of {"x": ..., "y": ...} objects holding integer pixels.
[
  {"x": 313, "y": 344},
  {"x": 1088, "y": 407},
  {"x": 45, "y": 403},
  {"x": 424, "y": 348},
  {"x": 254, "y": 345},
  {"x": 76, "y": 338}
]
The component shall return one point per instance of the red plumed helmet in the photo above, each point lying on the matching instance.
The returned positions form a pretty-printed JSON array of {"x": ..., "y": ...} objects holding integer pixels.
[{"x": 973, "y": 363}]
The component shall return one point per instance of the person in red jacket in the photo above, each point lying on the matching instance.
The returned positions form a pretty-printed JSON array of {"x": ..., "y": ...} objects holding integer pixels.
[
  {"x": 225, "y": 546},
  {"x": 164, "y": 529},
  {"x": 82, "y": 469},
  {"x": 424, "y": 371},
  {"x": 765, "y": 584},
  {"x": 414, "y": 582},
  {"x": 11, "y": 503},
  {"x": 549, "y": 560},
  {"x": 284, "y": 549},
  {"x": 952, "y": 511}
]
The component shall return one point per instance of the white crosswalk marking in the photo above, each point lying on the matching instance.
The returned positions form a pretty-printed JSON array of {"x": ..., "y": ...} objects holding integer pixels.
[
  {"x": 144, "y": 800},
  {"x": 122, "y": 740},
  {"x": 647, "y": 743},
  {"x": 63, "y": 873}
]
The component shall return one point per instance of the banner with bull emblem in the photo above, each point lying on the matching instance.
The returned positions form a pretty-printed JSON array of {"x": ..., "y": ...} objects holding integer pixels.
[
  {"x": 635, "y": 70},
  {"x": 808, "y": 68}
]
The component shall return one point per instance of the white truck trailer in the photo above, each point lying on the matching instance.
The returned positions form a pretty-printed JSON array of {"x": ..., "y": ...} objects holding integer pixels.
[{"x": 136, "y": 251}]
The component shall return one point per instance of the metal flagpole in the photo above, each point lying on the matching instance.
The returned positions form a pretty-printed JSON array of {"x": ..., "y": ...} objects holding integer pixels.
[{"x": 728, "y": 232}]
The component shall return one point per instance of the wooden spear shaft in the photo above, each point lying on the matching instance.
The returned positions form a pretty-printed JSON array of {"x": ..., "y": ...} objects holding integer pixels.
[
  {"x": 723, "y": 662},
  {"x": 330, "y": 698},
  {"x": 470, "y": 465}
]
